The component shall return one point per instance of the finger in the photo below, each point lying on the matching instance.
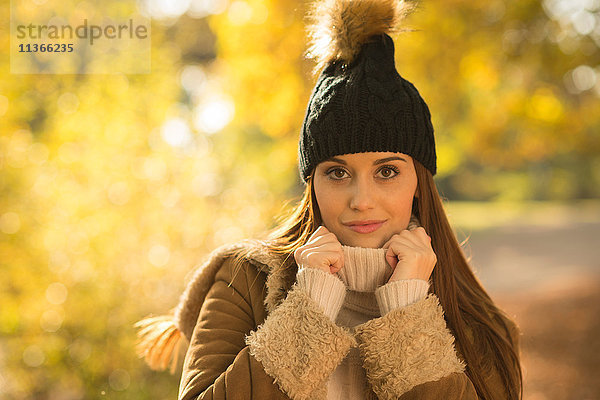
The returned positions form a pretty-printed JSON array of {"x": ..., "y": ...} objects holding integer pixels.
[
  {"x": 394, "y": 237},
  {"x": 320, "y": 231},
  {"x": 320, "y": 246},
  {"x": 397, "y": 251},
  {"x": 422, "y": 234},
  {"x": 324, "y": 248},
  {"x": 386, "y": 245},
  {"x": 405, "y": 234},
  {"x": 322, "y": 228},
  {"x": 402, "y": 248},
  {"x": 405, "y": 249},
  {"x": 407, "y": 237},
  {"x": 335, "y": 268},
  {"x": 335, "y": 247},
  {"x": 320, "y": 237},
  {"x": 324, "y": 259},
  {"x": 418, "y": 237},
  {"x": 393, "y": 247},
  {"x": 391, "y": 259}
]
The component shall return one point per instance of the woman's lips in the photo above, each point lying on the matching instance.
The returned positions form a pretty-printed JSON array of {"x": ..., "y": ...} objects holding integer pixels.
[{"x": 368, "y": 228}]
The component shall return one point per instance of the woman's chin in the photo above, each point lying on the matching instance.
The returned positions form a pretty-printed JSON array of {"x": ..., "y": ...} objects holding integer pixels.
[{"x": 373, "y": 243}]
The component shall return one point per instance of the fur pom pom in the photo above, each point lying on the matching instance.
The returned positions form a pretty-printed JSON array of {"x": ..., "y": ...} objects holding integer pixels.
[
  {"x": 159, "y": 341},
  {"x": 339, "y": 28}
]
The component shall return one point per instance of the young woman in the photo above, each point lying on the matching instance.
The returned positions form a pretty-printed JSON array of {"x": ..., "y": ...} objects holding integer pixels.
[{"x": 363, "y": 291}]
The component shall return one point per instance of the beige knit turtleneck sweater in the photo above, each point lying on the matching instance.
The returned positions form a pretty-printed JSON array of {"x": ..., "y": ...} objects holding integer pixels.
[{"x": 356, "y": 294}]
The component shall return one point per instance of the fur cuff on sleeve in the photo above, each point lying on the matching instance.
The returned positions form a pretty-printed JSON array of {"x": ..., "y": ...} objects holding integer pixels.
[
  {"x": 407, "y": 347},
  {"x": 299, "y": 346}
]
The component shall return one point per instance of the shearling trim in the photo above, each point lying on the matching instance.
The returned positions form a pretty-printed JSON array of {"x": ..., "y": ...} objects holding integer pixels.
[
  {"x": 203, "y": 277},
  {"x": 259, "y": 254},
  {"x": 279, "y": 282},
  {"x": 407, "y": 347},
  {"x": 190, "y": 301},
  {"x": 299, "y": 346}
]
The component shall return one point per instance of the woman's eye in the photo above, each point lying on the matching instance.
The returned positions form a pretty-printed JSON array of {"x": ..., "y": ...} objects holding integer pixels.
[
  {"x": 336, "y": 173},
  {"x": 389, "y": 172}
]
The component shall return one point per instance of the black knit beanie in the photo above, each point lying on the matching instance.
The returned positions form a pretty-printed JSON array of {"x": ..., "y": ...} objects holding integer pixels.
[{"x": 362, "y": 104}]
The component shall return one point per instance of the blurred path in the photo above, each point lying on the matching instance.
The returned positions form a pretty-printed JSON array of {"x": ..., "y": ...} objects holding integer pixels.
[
  {"x": 548, "y": 278},
  {"x": 521, "y": 258}
]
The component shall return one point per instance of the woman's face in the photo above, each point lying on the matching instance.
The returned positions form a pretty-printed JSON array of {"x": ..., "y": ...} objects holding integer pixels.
[{"x": 353, "y": 189}]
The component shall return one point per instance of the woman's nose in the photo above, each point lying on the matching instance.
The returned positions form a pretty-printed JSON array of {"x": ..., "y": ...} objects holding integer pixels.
[{"x": 361, "y": 197}]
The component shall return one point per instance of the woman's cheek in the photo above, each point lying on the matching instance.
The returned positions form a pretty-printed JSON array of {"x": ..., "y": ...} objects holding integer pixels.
[{"x": 328, "y": 205}]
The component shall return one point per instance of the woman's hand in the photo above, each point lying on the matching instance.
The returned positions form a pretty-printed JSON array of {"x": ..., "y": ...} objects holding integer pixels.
[
  {"x": 410, "y": 255},
  {"x": 322, "y": 251}
]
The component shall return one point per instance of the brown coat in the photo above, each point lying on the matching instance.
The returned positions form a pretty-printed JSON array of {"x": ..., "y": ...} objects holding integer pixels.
[{"x": 258, "y": 336}]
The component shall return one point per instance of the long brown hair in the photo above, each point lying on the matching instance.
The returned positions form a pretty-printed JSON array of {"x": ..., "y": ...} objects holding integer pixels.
[{"x": 488, "y": 342}]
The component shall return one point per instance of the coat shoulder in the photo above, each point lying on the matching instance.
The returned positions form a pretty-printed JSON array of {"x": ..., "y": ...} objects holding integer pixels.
[
  {"x": 265, "y": 257},
  {"x": 258, "y": 253}
]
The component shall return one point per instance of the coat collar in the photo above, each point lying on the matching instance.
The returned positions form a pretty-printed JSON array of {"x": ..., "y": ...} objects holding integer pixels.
[
  {"x": 256, "y": 252},
  {"x": 280, "y": 278}
]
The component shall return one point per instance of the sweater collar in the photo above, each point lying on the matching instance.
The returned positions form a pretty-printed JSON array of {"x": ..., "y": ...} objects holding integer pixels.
[{"x": 365, "y": 269}]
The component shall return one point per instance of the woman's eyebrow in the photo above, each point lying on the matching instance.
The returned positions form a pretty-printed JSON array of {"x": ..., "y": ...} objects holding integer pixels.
[
  {"x": 376, "y": 162},
  {"x": 338, "y": 160},
  {"x": 383, "y": 160}
]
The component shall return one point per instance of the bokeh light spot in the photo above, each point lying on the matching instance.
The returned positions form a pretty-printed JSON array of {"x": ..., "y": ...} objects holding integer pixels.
[
  {"x": 167, "y": 8},
  {"x": 33, "y": 356},
  {"x": 56, "y": 293},
  {"x": 213, "y": 116},
  {"x": 159, "y": 255},
  {"x": 202, "y": 8},
  {"x": 80, "y": 350},
  {"x": 544, "y": 106},
  {"x": 239, "y": 13},
  {"x": 52, "y": 320},
  {"x": 176, "y": 132},
  {"x": 119, "y": 379},
  {"x": 584, "y": 77},
  {"x": 192, "y": 78},
  {"x": 584, "y": 22}
]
